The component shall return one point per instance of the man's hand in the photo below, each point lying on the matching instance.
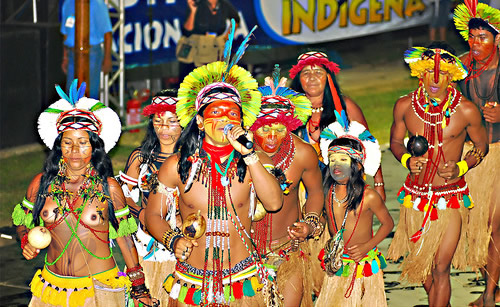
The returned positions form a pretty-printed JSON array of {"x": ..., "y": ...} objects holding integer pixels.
[
  {"x": 29, "y": 252},
  {"x": 416, "y": 164},
  {"x": 357, "y": 252},
  {"x": 234, "y": 133},
  {"x": 192, "y": 5},
  {"x": 299, "y": 231},
  {"x": 449, "y": 171},
  {"x": 184, "y": 248},
  {"x": 491, "y": 112}
]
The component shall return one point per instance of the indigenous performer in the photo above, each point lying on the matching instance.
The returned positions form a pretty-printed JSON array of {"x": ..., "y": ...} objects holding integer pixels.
[
  {"x": 314, "y": 75},
  {"x": 351, "y": 258},
  {"x": 278, "y": 234},
  {"x": 214, "y": 175},
  {"x": 479, "y": 24},
  {"x": 141, "y": 177},
  {"x": 83, "y": 207},
  {"x": 432, "y": 230}
]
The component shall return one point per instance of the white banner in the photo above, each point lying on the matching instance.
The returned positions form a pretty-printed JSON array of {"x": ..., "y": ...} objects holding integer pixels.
[{"x": 315, "y": 21}]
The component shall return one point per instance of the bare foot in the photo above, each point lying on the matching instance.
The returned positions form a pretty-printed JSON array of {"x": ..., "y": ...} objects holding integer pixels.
[{"x": 482, "y": 301}]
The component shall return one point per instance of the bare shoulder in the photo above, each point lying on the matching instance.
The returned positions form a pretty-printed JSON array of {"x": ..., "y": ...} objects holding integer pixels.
[
  {"x": 33, "y": 188},
  {"x": 371, "y": 196},
  {"x": 135, "y": 158},
  {"x": 113, "y": 185},
  {"x": 469, "y": 110},
  {"x": 464, "y": 58},
  {"x": 168, "y": 170},
  {"x": 302, "y": 147}
]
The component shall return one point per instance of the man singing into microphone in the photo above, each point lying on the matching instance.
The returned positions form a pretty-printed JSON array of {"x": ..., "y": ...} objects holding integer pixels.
[
  {"x": 215, "y": 175},
  {"x": 278, "y": 234}
]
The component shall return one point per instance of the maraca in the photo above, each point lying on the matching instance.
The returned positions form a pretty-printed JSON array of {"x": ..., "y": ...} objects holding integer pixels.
[
  {"x": 193, "y": 226},
  {"x": 260, "y": 212},
  {"x": 417, "y": 145},
  {"x": 39, "y": 237}
]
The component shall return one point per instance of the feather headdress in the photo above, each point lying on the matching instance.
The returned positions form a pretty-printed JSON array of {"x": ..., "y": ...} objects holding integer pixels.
[
  {"x": 421, "y": 59},
  {"x": 75, "y": 112},
  {"x": 370, "y": 156},
  {"x": 222, "y": 80},
  {"x": 472, "y": 9},
  {"x": 281, "y": 104}
]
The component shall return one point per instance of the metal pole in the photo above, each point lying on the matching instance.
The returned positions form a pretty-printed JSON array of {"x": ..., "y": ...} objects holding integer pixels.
[
  {"x": 122, "y": 59},
  {"x": 82, "y": 12}
]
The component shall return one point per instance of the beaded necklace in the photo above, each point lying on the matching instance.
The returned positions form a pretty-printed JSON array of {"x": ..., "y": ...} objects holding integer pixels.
[
  {"x": 435, "y": 117},
  {"x": 286, "y": 152},
  {"x": 217, "y": 234},
  {"x": 88, "y": 191}
]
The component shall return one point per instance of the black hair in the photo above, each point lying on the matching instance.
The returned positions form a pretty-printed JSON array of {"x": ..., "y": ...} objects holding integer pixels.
[
  {"x": 441, "y": 45},
  {"x": 356, "y": 184},
  {"x": 480, "y": 24},
  {"x": 99, "y": 160},
  {"x": 328, "y": 114},
  {"x": 191, "y": 139}
]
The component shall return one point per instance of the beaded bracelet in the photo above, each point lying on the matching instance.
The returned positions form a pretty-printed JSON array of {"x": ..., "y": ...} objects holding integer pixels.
[
  {"x": 477, "y": 153},
  {"x": 251, "y": 158},
  {"x": 378, "y": 184},
  {"x": 169, "y": 238},
  {"x": 312, "y": 219}
]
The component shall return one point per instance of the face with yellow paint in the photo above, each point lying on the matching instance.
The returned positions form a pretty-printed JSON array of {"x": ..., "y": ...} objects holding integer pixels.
[
  {"x": 270, "y": 137},
  {"x": 313, "y": 80},
  {"x": 433, "y": 89},
  {"x": 340, "y": 166},
  {"x": 215, "y": 117},
  {"x": 76, "y": 149},
  {"x": 166, "y": 127},
  {"x": 482, "y": 44}
]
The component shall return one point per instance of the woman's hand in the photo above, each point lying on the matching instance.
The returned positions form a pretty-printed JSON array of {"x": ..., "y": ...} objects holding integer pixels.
[{"x": 29, "y": 252}]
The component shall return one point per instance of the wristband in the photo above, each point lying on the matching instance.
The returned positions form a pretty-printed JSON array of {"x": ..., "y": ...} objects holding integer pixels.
[
  {"x": 404, "y": 159},
  {"x": 463, "y": 167},
  {"x": 251, "y": 158},
  {"x": 378, "y": 184}
]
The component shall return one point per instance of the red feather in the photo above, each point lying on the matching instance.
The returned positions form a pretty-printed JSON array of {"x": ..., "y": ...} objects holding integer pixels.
[{"x": 471, "y": 6}]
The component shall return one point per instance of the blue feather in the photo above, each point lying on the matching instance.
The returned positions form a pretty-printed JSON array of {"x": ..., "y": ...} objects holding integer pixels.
[
  {"x": 241, "y": 49},
  {"x": 344, "y": 121},
  {"x": 62, "y": 94},
  {"x": 276, "y": 75},
  {"x": 328, "y": 134},
  {"x": 229, "y": 43},
  {"x": 81, "y": 91},
  {"x": 73, "y": 91}
]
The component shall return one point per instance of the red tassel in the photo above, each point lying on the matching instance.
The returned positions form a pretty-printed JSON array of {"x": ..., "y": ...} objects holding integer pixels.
[
  {"x": 433, "y": 200},
  {"x": 423, "y": 202},
  {"x": 434, "y": 213},
  {"x": 189, "y": 296},
  {"x": 453, "y": 203},
  {"x": 321, "y": 258},
  {"x": 367, "y": 269},
  {"x": 237, "y": 290},
  {"x": 416, "y": 236}
]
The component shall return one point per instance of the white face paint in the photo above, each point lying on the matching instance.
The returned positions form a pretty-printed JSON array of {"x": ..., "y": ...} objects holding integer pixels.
[{"x": 340, "y": 166}]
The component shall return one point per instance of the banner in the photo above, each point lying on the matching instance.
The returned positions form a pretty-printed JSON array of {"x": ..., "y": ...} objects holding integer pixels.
[{"x": 153, "y": 27}]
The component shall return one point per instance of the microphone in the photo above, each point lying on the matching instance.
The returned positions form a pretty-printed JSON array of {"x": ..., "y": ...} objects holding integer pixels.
[{"x": 241, "y": 139}]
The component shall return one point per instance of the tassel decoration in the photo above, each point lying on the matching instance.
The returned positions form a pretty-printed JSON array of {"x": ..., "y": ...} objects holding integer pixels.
[
  {"x": 367, "y": 269},
  {"x": 182, "y": 293},
  {"x": 237, "y": 290},
  {"x": 174, "y": 293},
  {"x": 247, "y": 288}
]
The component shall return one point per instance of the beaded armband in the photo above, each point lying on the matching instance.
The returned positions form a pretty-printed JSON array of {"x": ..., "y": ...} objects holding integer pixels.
[
  {"x": 477, "y": 153},
  {"x": 169, "y": 238},
  {"x": 312, "y": 219},
  {"x": 126, "y": 226},
  {"x": 23, "y": 215}
]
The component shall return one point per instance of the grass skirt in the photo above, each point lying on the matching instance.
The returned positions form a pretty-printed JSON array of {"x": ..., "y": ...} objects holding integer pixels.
[
  {"x": 482, "y": 181},
  {"x": 289, "y": 264},
  {"x": 367, "y": 291},
  {"x": 419, "y": 256}
]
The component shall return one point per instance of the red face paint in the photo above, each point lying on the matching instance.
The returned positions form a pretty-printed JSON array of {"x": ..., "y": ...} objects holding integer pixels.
[
  {"x": 481, "y": 43},
  {"x": 270, "y": 137},
  {"x": 216, "y": 116}
]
